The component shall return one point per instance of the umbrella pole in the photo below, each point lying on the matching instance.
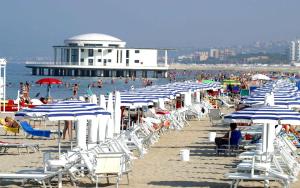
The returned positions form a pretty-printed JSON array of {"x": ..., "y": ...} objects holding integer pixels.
[
  {"x": 128, "y": 118},
  {"x": 59, "y": 175},
  {"x": 59, "y": 137}
]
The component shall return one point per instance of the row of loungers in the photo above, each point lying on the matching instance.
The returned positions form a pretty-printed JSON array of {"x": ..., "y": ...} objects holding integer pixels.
[
  {"x": 112, "y": 158},
  {"x": 281, "y": 166}
]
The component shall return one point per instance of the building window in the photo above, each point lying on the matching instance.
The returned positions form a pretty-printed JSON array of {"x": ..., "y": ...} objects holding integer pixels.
[
  {"x": 99, "y": 60},
  {"x": 91, "y": 61},
  {"x": 137, "y": 51},
  {"x": 113, "y": 45},
  {"x": 91, "y": 53},
  {"x": 109, "y": 51},
  {"x": 117, "y": 56},
  {"x": 121, "y": 53},
  {"x": 127, "y": 62},
  {"x": 81, "y": 60},
  {"x": 127, "y": 53},
  {"x": 82, "y": 50},
  {"x": 136, "y": 61},
  {"x": 109, "y": 60},
  {"x": 74, "y": 55},
  {"x": 73, "y": 44},
  {"x": 99, "y": 50}
]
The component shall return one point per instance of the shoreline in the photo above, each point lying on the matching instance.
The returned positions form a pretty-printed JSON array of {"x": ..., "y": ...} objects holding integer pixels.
[{"x": 234, "y": 67}]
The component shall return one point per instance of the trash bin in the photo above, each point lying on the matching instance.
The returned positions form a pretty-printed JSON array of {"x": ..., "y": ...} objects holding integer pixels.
[{"x": 184, "y": 155}]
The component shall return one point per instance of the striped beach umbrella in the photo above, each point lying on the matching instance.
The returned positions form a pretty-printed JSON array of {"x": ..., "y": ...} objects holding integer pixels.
[
  {"x": 265, "y": 114},
  {"x": 66, "y": 110}
]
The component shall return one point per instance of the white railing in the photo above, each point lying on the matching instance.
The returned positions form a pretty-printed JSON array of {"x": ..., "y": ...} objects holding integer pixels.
[{"x": 39, "y": 63}]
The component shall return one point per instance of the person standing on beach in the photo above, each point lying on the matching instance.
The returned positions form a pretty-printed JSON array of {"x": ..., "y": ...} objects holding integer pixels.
[
  {"x": 75, "y": 90},
  {"x": 67, "y": 128}
]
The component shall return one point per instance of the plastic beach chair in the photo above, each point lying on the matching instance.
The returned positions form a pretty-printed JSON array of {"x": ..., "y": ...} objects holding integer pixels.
[
  {"x": 215, "y": 117},
  {"x": 109, "y": 165},
  {"x": 34, "y": 132}
]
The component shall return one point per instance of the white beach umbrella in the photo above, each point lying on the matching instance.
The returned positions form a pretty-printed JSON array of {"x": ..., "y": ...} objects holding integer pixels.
[
  {"x": 161, "y": 103},
  {"x": 260, "y": 77},
  {"x": 117, "y": 113},
  {"x": 102, "y": 125},
  {"x": 93, "y": 99},
  {"x": 110, "y": 122},
  {"x": 93, "y": 131},
  {"x": 81, "y": 133},
  {"x": 197, "y": 96},
  {"x": 102, "y": 102}
]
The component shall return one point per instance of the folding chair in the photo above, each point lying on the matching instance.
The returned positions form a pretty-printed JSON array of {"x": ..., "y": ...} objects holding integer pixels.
[{"x": 215, "y": 117}]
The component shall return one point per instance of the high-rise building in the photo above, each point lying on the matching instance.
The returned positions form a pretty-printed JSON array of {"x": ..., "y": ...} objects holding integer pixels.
[
  {"x": 295, "y": 52},
  {"x": 203, "y": 56},
  {"x": 214, "y": 53}
]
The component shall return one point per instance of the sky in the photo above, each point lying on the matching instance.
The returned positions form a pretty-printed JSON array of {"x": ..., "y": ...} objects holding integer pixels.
[{"x": 29, "y": 28}]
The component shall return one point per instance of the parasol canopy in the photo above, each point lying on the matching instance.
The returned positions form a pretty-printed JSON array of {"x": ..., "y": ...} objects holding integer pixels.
[
  {"x": 48, "y": 81},
  {"x": 260, "y": 77}
]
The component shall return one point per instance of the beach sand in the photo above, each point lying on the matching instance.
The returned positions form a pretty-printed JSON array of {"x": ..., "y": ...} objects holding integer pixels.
[{"x": 160, "y": 167}]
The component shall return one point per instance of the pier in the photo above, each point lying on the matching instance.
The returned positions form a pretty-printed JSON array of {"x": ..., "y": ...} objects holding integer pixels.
[{"x": 50, "y": 69}]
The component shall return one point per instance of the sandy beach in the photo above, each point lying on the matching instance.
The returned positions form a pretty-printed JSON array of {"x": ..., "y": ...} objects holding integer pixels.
[{"x": 160, "y": 167}]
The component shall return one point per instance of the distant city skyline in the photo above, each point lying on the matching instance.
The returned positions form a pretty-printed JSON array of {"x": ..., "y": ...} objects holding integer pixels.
[{"x": 30, "y": 28}]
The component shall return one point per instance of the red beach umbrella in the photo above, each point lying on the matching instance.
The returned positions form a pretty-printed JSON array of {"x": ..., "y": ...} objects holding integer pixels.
[{"x": 48, "y": 81}]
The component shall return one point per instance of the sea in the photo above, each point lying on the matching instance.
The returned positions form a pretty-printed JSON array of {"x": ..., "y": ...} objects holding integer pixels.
[{"x": 16, "y": 72}]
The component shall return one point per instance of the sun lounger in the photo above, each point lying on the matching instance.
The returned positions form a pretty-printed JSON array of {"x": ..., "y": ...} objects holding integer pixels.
[
  {"x": 238, "y": 177},
  {"x": 7, "y": 129},
  {"x": 4, "y": 146},
  {"x": 36, "y": 176},
  {"x": 34, "y": 132}
]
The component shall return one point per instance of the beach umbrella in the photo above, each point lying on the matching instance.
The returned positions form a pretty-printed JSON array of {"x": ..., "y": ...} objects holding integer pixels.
[
  {"x": 66, "y": 110},
  {"x": 161, "y": 104},
  {"x": 102, "y": 101},
  {"x": 110, "y": 122},
  {"x": 284, "y": 94},
  {"x": 48, "y": 82},
  {"x": 117, "y": 113},
  {"x": 267, "y": 115},
  {"x": 260, "y": 77}
]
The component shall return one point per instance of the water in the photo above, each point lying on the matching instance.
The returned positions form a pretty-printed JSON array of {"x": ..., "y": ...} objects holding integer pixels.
[{"x": 16, "y": 73}]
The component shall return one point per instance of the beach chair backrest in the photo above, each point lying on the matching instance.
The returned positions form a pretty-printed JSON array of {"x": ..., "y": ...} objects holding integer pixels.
[
  {"x": 26, "y": 127},
  {"x": 109, "y": 163},
  {"x": 214, "y": 114},
  {"x": 11, "y": 129}
]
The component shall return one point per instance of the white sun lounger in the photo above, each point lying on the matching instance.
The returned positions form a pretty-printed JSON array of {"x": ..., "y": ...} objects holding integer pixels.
[
  {"x": 44, "y": 178},
  {"x": 4, "y": 146},
  {"x": 238, "y": 176}
]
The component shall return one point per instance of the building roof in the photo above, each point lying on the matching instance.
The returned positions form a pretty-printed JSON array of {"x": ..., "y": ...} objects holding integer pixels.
[{"x": 94, "y": 37}]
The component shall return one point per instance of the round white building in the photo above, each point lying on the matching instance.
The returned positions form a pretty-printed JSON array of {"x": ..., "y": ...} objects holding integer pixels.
[{"x": 96, "y": 54}]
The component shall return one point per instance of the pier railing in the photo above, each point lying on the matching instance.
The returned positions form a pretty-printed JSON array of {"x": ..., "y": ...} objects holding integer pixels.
[{"x": 66, "y": 64}]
